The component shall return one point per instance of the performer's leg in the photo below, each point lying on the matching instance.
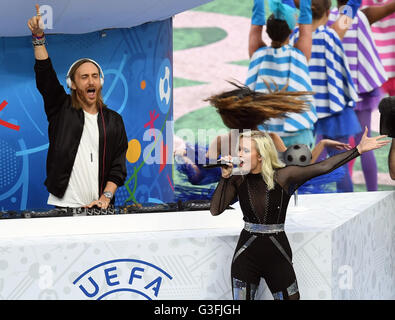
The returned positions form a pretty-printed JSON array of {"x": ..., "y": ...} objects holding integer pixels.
[
  {"x": 279, "y": 272},
  {"x": 284, "y": 294},
  {"x": 242, "y": 290},
  {"x": 345, "y": 184},
  {"x": 368, "y": 159},
  {"x": 244, "y": 271}
]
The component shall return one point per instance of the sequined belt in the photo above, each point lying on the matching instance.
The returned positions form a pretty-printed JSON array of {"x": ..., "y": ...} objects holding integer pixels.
[{"x": 263, "y": 228}]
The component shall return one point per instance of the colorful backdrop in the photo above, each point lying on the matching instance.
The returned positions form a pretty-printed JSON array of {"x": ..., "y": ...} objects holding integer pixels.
[{"x": 137, "y": 64}]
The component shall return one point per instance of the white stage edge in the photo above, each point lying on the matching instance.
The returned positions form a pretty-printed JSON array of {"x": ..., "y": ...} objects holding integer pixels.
[{"x": 343, "y": 248}]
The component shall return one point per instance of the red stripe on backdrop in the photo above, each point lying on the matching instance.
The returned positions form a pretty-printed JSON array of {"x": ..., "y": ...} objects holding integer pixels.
[{"x": 9, "y": 125}]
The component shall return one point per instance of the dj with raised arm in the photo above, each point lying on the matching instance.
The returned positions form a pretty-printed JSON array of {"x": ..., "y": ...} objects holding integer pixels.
[
  {"x": 86, "y": 160},
  {"x": 264, "y": 188}
]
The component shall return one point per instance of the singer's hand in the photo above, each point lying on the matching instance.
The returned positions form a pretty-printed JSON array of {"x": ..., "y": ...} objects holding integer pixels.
[
  {"x": 366, "y": 144},
  {"x": 227, "y": 171}
]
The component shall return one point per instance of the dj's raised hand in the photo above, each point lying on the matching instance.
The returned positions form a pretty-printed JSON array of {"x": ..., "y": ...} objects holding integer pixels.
[{"x": 36, "y": 24}]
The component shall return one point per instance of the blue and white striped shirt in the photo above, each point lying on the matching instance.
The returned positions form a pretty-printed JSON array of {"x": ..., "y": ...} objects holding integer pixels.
[
  {"x": 330, "y": 73},
  {"x": 282, "y": 66}
]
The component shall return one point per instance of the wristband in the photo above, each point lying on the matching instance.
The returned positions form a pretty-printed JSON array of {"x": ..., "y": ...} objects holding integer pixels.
[
  {"x": 38, "y": 42},
  {"x": 38, "y": 37},
  {"x": 108, "y": 194},
  {"x": 305, "y": 16},
  {"x": 258, "y": 13}
]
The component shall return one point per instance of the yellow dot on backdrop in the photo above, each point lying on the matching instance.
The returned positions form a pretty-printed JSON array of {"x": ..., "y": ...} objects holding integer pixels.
[
  {"x": 134, "y": 151},
  {"x": 143, "y": 84}
]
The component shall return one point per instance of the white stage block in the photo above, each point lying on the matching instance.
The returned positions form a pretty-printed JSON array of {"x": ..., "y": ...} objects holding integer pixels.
[{"x": 343, "y": 248}]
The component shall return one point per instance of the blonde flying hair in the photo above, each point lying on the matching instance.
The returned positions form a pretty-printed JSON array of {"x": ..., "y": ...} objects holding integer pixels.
[{"x": 265, "y": 147}]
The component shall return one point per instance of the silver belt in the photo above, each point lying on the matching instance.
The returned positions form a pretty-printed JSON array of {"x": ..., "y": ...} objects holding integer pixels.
[{"x": 263, "y": 228}]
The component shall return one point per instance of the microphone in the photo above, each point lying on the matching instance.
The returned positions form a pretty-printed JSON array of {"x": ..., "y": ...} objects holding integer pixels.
[{"x": 222, "y": 163}]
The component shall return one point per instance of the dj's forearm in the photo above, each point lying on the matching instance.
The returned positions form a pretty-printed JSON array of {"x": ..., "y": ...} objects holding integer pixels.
[
  {"x": 111, "y": 186},
  {"x": 40, "y": 52}
]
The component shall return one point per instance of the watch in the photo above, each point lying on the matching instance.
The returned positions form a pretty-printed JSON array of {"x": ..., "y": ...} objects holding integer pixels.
[{"x": 108, "y": 194}]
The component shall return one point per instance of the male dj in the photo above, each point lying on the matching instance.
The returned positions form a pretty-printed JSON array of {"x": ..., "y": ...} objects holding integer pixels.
[{"x": 86, "y": 159}]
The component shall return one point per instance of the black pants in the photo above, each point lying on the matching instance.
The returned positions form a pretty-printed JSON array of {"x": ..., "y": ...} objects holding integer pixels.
[{"x": 267, "y": 256}]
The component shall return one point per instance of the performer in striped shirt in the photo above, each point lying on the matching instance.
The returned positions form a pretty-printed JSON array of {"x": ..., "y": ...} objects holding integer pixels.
[
  {"x": 368, "y": 75},
  {"x": 335, "y": 94},
  {"x": 282, "y": 64},
  {"x": 381, "y": 17}
]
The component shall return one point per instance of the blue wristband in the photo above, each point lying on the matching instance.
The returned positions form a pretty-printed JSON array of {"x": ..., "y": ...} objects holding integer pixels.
[
  {"x": 351, "y": 8},
  {"x": 305, "y": 16},
  {"x": 258, "y": 13}
]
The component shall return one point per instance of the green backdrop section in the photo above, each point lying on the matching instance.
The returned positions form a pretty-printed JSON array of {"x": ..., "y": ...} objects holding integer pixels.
[{"x": 186, "y": 38}]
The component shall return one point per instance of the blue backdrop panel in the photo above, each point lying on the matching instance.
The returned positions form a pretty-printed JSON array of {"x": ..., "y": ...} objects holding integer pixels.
[{"x": 137, "y": 64}]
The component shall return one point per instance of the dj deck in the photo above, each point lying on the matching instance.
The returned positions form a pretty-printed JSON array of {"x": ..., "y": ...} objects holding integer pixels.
[{"x": 111, "y": 210}]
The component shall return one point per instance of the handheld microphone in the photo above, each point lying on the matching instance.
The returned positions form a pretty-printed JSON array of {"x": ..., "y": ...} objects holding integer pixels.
[{"x": 222, "y": 163}]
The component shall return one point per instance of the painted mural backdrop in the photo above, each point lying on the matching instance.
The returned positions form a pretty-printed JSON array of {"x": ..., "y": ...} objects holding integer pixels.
[{"x": 137, "y": 65}]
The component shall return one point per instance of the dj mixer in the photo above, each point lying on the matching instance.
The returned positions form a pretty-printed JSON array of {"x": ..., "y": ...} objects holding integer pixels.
[{"x": 191, "y": 205}]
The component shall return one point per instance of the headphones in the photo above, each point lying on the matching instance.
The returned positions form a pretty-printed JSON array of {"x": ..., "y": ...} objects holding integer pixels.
[{"x": 68, "y": 79}]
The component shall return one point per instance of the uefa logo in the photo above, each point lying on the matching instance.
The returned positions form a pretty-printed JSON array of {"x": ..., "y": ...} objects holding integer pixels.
[{"x": 125, "y": 278}]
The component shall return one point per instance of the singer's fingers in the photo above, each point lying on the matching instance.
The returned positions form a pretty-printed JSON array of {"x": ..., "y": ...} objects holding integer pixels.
[
  {"x": 384, "y": 142},
  {"x": 37, "y": 10},
  {"x": 227, "y": 158},
  {"x": 380, "y": 144},
  {"x": 365, "y": 132},
  {"x": 381, "y": 137}
]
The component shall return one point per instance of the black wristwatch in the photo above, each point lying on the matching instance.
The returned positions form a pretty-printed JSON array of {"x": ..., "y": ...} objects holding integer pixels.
[{"x": 108, "y": 194}]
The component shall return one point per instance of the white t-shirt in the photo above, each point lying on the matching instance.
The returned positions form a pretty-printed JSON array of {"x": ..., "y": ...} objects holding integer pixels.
[{"x": 83, "y": 187}]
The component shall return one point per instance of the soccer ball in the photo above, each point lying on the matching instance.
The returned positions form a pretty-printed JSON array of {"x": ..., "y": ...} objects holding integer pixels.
[{"x": 297, "y": 155}]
